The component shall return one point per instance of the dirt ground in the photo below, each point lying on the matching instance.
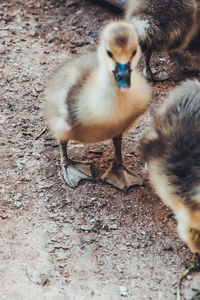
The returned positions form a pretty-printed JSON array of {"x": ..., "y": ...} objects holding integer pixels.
[{"x": 94, "y": 242}]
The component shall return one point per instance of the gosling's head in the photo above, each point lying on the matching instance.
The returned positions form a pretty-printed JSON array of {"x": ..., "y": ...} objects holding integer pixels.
[{"x": 119, "y": 50}]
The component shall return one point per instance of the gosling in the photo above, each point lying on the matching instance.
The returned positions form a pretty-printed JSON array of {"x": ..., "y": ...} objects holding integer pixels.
[
  {"x": 172, "y": 151},
  {"x": 96, "y": 97},
  {"x": 163, "y": 25}
]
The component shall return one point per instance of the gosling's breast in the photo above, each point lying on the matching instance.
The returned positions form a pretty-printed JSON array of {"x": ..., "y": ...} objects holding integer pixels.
[
  {"x": 96, "y": 133},
  {"x": 104, "y": 129}
]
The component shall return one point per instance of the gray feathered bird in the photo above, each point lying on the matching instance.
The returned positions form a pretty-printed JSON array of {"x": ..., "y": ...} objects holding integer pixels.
[
  {"x": 163, "y": 25},
  {"x": 172, "y": 151}
]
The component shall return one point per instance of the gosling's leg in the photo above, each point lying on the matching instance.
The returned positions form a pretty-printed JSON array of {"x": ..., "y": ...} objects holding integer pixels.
[
  {"x": 152, "y": 74},
  {"x": 117, "y": 174},
  {"x": 73, "y": 171}
]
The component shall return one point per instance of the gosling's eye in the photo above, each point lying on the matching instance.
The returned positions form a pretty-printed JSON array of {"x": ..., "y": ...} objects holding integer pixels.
[
  {"x": 109, "y": 53},
  {"x": 134, "y": 52}
]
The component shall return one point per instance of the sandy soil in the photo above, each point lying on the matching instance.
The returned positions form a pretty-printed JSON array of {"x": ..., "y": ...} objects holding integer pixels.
[{"x": 94, "y": 242}]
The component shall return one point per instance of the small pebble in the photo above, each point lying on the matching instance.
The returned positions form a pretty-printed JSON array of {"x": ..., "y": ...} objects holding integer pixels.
[
  {"x": 79, "y": 43},
  {"x": 17, "y": 50},
  {"x": 2, "y": 49},
  {"x": 39, "y": 88},
  {"x": 17, "y": 204},
  {"x": 123, "y": 291},
  {"x": 167, "y": 248},
  {"x": 113, "y": 227},
  {"x": 32, "y": 32},
  {"x": 93, "y": 199},
  {"x": 17, "y": 196},
  {"x": 85, "y": 228}
]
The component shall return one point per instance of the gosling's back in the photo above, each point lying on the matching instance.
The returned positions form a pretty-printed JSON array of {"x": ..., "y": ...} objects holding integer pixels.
[
  {"x": 174, "y": 142},
  {"x": 163, "y": 24}
]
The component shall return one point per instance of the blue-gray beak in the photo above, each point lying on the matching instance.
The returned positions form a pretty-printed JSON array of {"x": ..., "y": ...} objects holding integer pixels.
[{"x": 122, "y": 75}]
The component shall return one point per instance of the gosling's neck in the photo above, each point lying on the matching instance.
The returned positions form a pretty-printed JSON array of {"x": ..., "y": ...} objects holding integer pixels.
[{"x": 106, "y": 83}]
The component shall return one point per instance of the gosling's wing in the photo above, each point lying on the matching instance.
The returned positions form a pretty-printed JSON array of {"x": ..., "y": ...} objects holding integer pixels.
[{"x": 63, "y": 93}]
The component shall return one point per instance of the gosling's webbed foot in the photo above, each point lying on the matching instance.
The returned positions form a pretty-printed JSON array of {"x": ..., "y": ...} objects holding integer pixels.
[
  {"x": 118, "y": 176},
  {"x": 75, "y": 172},
  {"x": 155, "y": 75}
]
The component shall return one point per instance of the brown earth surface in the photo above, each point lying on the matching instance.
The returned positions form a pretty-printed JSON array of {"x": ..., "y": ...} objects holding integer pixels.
[{"x": 94, "y": 242}]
